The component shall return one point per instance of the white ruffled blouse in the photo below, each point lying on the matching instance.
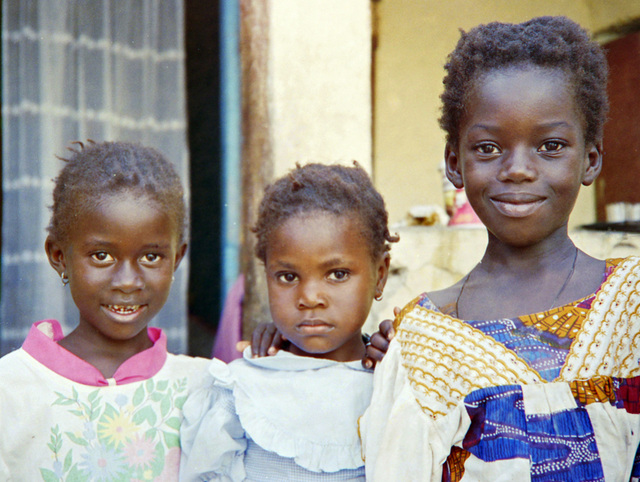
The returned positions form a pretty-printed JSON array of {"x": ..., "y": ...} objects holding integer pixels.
[{"x": 284, "y": 417}]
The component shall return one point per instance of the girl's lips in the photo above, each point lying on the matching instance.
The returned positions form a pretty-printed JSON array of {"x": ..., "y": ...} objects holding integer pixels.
[
  {"x": 124, "y": 311},
  {"x": 517, "y": 206},
  {"x": 314, "y": 327}
]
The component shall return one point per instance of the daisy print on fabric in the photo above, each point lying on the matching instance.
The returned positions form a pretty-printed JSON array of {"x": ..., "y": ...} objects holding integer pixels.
[{"x": 125, "y": 439}]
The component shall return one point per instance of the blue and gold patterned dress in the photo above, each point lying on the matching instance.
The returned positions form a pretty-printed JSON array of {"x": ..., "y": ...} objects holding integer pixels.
[{"x": 549, "y": 396}]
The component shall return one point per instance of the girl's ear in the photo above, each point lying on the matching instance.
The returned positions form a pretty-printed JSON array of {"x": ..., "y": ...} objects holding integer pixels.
[
  {"x": 592, "y": 163},
  {"x": 55, "y": 254},
  {"x": 180, "y": 252},
  {"x": 382, "y": 273},
  {"x": 453, "y": 168}
]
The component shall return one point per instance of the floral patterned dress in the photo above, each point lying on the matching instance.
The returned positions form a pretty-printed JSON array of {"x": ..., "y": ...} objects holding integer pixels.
[{"x": 63, "y": 421}]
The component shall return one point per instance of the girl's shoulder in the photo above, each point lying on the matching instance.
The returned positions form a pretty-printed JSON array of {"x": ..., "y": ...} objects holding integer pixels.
[
  {"x": 442, "y": 301},
  {"x": 14, "y": 366},
  {"x": 185, "y": 362},
  {"x": 185, "y": 369}
]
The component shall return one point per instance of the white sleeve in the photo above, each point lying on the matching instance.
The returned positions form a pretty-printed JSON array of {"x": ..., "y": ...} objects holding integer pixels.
[
  {"x": 398, "y": 437},
  {"x": 211, "y": 437}
]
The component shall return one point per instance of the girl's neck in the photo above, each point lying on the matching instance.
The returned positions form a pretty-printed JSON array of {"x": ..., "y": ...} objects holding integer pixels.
[
  {"x": 514, "y": 281},
  {"x": 104, "y": 354},
  {"x": 522, "y": 260},
  {"x": 352, "y": 350}
]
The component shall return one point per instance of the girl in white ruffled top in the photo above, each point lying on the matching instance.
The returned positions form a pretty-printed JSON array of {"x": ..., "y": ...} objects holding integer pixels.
[{"x": 322, "y": 235}]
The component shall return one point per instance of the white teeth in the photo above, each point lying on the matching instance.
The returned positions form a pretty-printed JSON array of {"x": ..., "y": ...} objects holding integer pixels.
[{"x": 124, "y": 310}]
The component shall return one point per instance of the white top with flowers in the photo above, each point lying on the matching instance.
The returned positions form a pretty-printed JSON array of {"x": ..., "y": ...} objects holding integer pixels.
[{"x": 62, "y": 421}]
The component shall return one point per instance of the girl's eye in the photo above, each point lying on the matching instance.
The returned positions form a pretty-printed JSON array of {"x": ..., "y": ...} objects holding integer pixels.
[
  {"x": 551, "y": 146},
  {"x": 151, "y": 258},
  {"x": 102, "y": 257},
  {"x": 487, "y": 148},
  {"x": 339, "y": 275},
  {"x": 287, "y": 277}
]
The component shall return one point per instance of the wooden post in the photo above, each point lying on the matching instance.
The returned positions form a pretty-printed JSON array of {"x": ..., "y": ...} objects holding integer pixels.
[{"x": 257, "y": 161}]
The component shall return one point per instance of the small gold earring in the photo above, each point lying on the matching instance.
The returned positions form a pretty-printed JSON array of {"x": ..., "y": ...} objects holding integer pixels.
[{"x": 64, "y": 279}]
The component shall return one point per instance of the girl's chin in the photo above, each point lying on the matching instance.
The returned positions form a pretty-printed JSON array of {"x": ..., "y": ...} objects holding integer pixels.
[{"x": 330, "y": 353}]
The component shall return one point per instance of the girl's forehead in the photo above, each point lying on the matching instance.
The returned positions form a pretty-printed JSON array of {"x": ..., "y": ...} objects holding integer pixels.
[
  {"x": 523, "y": 91},
  {"x": 522, "y": 74},
  {"x": 310, "y": 221},
  {"x": 127, "y": 204},
  {"x": 125, "y": 195},
  {"x": 319, "y": 216}
]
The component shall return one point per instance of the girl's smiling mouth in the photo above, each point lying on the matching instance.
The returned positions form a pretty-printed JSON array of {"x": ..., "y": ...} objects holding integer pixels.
[
  {"x": 124, "y": 310},
  {"x": 517, "y": 205}
]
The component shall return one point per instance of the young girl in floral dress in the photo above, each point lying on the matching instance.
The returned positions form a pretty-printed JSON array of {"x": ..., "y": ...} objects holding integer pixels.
[{"x": 105, "y": 401}]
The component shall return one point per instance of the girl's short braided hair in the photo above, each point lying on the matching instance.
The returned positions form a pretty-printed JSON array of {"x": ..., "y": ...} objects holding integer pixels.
[
  {"x": 550, "y": 42},
  {"x": 95, "y": 170},
  {"x": 335, "y": 189}
]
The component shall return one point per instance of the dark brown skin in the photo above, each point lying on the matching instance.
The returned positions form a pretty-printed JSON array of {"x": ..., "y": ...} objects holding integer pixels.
[
  {"x": 265, "y": 340},
  {"x": 379, "y": 342},
  {"x": 121, "y": 254},
  {"x": 521, "y": 158}
]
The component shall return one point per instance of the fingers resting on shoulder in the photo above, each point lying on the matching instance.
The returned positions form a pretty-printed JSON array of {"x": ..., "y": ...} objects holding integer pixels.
[
  {"x": 266, "y": 340},
  {"x": 379, "y": 343}
]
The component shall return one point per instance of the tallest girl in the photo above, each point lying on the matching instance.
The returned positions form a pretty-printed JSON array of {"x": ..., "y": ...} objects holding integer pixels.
[{"x": 524, "y": 369}]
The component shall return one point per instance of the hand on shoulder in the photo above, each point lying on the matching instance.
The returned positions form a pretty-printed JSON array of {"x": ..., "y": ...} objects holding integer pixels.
[{"x": 266, "y": 340}]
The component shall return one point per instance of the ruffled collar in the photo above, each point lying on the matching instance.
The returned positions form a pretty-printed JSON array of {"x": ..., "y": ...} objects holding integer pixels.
[
  {"x": 287, "y": 361},
  {"x": 302, "y": 407}
]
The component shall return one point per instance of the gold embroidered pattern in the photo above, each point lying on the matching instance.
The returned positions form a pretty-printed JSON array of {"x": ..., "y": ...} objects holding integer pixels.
[
  {"x": 608, "y": 342},
  {"x": 564, "y": 321},
  {"x": 446, "y": 359}
]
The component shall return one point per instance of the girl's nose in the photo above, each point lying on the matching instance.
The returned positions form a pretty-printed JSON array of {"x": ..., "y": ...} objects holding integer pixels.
[
  {"x": 128, "y": 277},
  {"x": 518, "y": 166},
  {"x": 311, "y": 296}
]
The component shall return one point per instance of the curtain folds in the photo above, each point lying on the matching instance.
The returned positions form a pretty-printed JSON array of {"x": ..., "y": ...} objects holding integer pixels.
[{"x": 77, "y": 70}]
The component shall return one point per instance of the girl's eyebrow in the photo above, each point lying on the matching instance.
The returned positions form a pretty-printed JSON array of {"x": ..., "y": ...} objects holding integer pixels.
[
  {"x": 329, "y": 263},
  {"x": 282, "y": 264},
  {"x": 496, "y": 128},
  {"x": 99, "y": 243},
  {"x": 332, "y": 262},
  {"x": 553, "y": 125}
]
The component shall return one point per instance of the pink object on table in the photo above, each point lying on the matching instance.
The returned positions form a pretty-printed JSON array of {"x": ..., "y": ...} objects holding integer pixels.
[{"x": 463, "y": 213}]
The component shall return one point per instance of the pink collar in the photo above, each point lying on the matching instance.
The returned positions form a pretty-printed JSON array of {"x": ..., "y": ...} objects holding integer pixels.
[{"x": 41, "y": 344}]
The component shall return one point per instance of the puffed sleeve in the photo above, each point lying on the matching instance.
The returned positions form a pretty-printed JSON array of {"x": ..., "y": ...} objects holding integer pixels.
[
  {"x": 397, "y": 436},
  {"x": 211, "y": 437}
]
